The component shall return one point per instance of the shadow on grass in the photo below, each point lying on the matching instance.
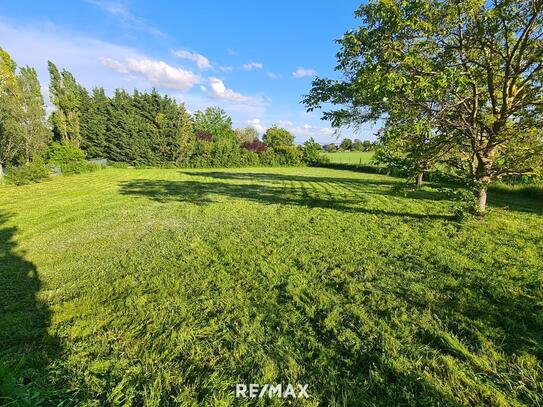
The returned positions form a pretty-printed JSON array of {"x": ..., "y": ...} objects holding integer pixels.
[
  {"x": 25, "y": 345},
  {"x": 341, "y": 194}
]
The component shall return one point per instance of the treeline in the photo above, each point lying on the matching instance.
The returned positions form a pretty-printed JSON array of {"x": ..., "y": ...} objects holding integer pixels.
[
  {"x": 139, "y": 128},
  {"x": 351, "y": 145}
]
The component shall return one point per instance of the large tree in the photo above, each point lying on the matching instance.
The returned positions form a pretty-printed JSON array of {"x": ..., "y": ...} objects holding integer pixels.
[
  {"x": 213, "y": 120},
  {"x": 473, "y": 69},
  {"x": 66, "y": 94},
  {"x": 276, "y": 136},
  {"x": 36, "y": 134},
  {"x": 11, "y": 133}
]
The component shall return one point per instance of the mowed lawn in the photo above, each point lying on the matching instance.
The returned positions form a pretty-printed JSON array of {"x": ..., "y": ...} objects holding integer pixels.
[
  {"x": 165, "y": 287},
  {"x": 350, "y": 157}
]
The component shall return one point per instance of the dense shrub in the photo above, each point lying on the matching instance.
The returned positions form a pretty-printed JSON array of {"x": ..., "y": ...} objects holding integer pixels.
[
  {"x": 282, "y": 155},
  {"x": 256, "y": 146},
  {"x": 78, "y": 167},
  {"x": 118, "y": 165},
  {"x": 204, "y": 136},
  {"x": 65, "y": 152},
  {"x": 222, "y": 153},
  {"x": 312, "y": 153},
  {"x": 35, "y": 171}
]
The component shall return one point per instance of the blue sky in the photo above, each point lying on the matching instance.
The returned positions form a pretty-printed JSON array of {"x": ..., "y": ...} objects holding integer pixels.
[{"x": 254, "y": 59}]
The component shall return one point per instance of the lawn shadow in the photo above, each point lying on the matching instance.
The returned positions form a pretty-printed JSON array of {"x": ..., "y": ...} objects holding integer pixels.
[
  {"x": 26, "y": 348},
  {"x": 341, "y": 194},
  {"x": 516, "y": 201}
]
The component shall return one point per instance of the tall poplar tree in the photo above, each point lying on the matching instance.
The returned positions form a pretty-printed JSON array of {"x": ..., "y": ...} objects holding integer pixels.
[
  {"x": 11, "y": 139},
  {"x": 65, "y": 94},
  {"x": 33, "y": 120}
]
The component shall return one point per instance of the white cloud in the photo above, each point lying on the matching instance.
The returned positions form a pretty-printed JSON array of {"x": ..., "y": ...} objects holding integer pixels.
[
  {"x": 225, "y": 68},
  {"x": 256, "y": 124},
  {"x": 233, "y": 53},
  {"x": 220, "y": 91},
  {"x": 302, "y": 72},
  {"x": 201, "y": 61},
  {"x": 306, "y": 130},
  {"x": 120, "y": 11},
  {"x": 274, "y": 75},
  {"x": 158, "y": 73},
  {"x": 253, "y": 65}
]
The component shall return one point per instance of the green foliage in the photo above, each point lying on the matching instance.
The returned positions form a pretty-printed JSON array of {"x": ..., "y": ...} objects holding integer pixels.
[
  {"x": 168, "y": 287},
  {"x": 29, "y": 173},
  {"x": 11, "y": 132},
  {"x": 276, "y": 136},
  {"x": 282, "y": 155},
  {"x": 246, "y": 135},
  {"x": 213, "y": 120},
  {"x": 470, "y": 72},
  {"x": 64, "y": 152},
  {"x": 94, "y": 124},
  {"x": 67, "y": 96},
  {"x": 359, "y": 145},
  {"x": 346, "y": 144},
  {"x": 312, "y": 153},
  {"x": 221, "y": 153}
]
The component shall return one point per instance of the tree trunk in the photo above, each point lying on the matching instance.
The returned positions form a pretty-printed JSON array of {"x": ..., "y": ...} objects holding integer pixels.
[
  {"x": 419, "y": 179},
  {"x": 482, "y": 199}
]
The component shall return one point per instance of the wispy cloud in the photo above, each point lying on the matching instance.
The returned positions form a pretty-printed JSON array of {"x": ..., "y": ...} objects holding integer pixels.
[
  {"x": 253, "y": 65},
  {"x": 233, "y": 53},
  {"x": 273, "y": 75},
  {"x": 158, "y": 73},
  {"x": 302, "y": 72},
  {"x": 119, "y": 10},
  {"x": 218, "y": 90},
  {"x": 201, "y": 61}
]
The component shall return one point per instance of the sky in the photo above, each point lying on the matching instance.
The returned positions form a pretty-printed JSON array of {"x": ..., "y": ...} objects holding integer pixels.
[{"x": 254, "y": 59}]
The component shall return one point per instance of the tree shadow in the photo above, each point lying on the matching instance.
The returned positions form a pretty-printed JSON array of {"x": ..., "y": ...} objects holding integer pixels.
[
  {"x": 341, "y": 194},
  {"x": 26, "y": 348},
  {"x": 515, "y": 200}
]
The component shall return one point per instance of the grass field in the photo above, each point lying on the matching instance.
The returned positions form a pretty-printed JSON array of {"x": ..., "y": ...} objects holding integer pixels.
[
  {"x": 164, "y": 287},
  {"x": 350, "y": 157}
]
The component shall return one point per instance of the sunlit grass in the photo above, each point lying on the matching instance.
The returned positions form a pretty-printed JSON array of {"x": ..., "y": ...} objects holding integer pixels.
[
  {"x": 351, "y": 157},
  {"x": 164, "y": 287}
]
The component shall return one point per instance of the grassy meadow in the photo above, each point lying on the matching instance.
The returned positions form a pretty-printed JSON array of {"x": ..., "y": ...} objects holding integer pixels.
[
  {"x": 350, "y": 157},
  {"x": 167, "y": 287}
]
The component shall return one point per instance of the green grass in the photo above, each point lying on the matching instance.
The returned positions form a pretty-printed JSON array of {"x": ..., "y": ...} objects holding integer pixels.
[
  {"x": 165, "y": 287},
  {"x": 350, "y": 157}
]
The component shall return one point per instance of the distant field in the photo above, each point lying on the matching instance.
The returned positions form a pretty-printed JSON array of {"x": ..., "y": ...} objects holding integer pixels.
[
  {"x": 165, "y": 287},
  {"x": 355, "y": 157}
]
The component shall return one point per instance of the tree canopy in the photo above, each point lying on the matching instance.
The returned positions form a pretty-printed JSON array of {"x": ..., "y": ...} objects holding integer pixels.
[{"x": 472, "y": 70}]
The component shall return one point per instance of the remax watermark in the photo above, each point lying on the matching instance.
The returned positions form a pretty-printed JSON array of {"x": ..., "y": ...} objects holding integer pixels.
[{"x": 254, "y": 390}]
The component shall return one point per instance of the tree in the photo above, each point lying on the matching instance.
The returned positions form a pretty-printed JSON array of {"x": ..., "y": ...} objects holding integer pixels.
[
  {"x": 276, "y": 136},
  {"x": 357, "y": 145},
  {"x": 473, "y": 69},
  {"x": 346, "y": 144},
  {"x": 33, "y": 121},
  {"x": 94, "y": 124},
  {"x": 246, "y": 135},
  {"x": 312, "y": 152},
  {"x": 213, "y": 120},
  {"x": 11, "y": 140},
  {"x": 185, "y": 132},
  {"x": 65, "y": 94},
  {"x": 367, "y": 145}
]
